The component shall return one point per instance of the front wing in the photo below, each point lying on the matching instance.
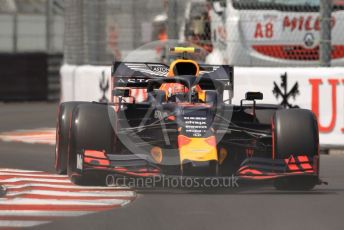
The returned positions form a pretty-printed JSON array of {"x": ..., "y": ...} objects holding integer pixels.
[
  {"x": 253, "y": 168},
  {"x": 256, "y": 168}
]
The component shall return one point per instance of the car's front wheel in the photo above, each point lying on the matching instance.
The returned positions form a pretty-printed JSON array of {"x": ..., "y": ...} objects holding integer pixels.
[
  {"x": 62, "y": 135},
  {"x": 295, "y": 133},
  {"x": 91, "y": 129}
]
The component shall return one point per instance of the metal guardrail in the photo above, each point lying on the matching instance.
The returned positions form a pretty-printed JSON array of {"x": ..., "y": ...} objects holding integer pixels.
[
  {"x": 54, "y": 62},
  {"x": 30, "y": 77}
]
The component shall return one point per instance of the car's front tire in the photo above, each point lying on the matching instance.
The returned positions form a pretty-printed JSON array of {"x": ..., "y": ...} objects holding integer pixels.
[
  {"x": 62, "y": 135},
  {"x": 90, "y": 130},
  {"x": 295, "y": 134}
]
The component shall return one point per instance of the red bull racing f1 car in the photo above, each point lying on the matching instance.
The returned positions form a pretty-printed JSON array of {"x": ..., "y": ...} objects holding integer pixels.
[{"x": 178, "y": 120}]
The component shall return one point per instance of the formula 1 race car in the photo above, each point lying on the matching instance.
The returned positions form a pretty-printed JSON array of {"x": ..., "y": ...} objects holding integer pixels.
[{"x": 178, "y": 120}]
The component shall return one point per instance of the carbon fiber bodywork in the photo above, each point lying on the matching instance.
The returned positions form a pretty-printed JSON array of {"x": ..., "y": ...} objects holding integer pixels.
[{"x": 194, "y": 133}]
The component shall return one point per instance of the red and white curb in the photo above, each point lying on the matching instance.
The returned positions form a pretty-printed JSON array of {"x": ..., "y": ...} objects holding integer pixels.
[
  {"x": 35, "y": 136},
  {"x": 33, "y": 198}
]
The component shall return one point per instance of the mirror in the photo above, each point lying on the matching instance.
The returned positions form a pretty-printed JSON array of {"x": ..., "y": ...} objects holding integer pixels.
[{"x": 251, "y": 96}]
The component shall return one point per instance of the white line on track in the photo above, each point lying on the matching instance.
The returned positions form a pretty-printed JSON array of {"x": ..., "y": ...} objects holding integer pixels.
[
  {"x": 34, "y": 198},
  {"x": 17, "y": 179},
  {"x": 32, "y": 201},
  {"x": 21, "y": 223},
  {"x": 25, "y": 213},
  {"x": 75, "y": 194},
  {"x": 32, "y": 175},
  {"x": 39, "y": 136},
  {"x": 21, "y": 171},
  {"x": 29, "y": 185}
]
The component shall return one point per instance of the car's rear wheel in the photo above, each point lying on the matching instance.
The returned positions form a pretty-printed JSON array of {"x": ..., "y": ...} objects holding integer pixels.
[
  {"x": 90, "y": 130},
  {"x": 295, "y": 134},
  {"x": 62, "y": 135}
]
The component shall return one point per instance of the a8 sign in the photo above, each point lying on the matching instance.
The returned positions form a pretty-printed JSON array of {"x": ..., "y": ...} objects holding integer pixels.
[{"x": 264, "y": 30}]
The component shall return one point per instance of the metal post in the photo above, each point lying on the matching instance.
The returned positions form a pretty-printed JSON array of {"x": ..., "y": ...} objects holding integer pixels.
[
  {"x": 49, "y": 25},
  {"x": 325, "y": 32},
  {"x": 136, "y": 22},
  {"x": 95, "y": 31},
  {"x": 172, "y": 14},
  {"x": 15, "y": 31}
]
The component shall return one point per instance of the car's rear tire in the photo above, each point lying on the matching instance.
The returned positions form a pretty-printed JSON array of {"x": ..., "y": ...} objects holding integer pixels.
[
  {"x": 295, "y": 133},
  {"x": 62, "y": 135},
  {"x": 90, "y": 130}
]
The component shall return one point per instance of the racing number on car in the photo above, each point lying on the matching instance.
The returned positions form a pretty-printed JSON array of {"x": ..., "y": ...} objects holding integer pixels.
[{"x": 264, "y": 30}]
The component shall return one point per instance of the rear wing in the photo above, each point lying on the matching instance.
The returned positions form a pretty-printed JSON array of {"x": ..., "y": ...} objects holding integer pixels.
[{"x": 137, "y": 74}]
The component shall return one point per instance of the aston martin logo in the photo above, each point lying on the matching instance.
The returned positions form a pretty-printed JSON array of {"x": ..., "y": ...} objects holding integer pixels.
[{"x": 282, "y": 91}]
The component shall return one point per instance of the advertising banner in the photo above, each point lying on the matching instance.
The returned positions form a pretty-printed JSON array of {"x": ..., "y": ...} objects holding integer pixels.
[{"x": 318, "y": 89}]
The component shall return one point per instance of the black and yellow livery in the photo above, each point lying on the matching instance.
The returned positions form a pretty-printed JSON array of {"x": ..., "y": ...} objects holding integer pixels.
[{"x": 184, "y": 124}]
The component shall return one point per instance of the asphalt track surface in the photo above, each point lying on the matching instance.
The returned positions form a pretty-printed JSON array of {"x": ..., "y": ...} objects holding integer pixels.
[{"x": 249, "y": 207}]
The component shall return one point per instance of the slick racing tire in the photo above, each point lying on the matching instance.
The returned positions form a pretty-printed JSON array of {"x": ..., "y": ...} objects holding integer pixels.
[
  {"x": 90, "y": 130},
  {"x": 295, "y": 133},
  {"x": 62, "y": 135}
]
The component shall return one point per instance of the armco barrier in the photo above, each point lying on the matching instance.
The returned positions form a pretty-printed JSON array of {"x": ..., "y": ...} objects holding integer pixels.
[
  {"x": 54, "y": 62},
  {"x": 29, "y": 76},
  {"x": 318, "y": 89}
]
